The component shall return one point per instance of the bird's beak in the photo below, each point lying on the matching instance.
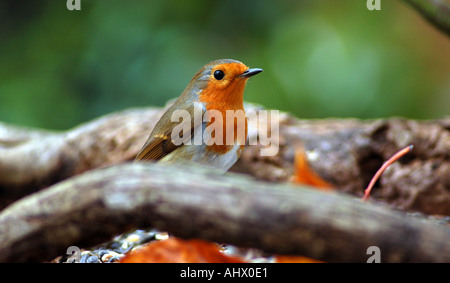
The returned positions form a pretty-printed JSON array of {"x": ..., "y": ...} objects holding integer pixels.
[{"x": 251, "y": 72}]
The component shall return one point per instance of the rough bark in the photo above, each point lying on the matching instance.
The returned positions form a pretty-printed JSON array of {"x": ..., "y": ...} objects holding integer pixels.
[
  {"x": 33, "y": 159},
  {"x": 200, "y": 203},
  {"x": 345, "y": 152},
  {"x": 348, "y": 152}
]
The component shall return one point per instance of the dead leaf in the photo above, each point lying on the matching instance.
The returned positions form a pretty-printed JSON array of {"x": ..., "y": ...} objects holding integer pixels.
[
  {"x": 295, "y": 259},
  {"x": 175, "y": 250},
  {"x": 303, "y": 174}
]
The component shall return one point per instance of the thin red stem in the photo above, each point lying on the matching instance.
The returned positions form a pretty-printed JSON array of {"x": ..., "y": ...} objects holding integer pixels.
[{"x": 380, "y": 171}]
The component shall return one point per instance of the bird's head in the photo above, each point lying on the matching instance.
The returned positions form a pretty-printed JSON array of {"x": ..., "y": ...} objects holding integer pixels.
[{"x": 221, "y": 83}]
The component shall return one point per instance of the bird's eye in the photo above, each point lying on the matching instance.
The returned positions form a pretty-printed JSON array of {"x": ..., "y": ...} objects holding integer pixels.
[{"x": 219, "y": 74}]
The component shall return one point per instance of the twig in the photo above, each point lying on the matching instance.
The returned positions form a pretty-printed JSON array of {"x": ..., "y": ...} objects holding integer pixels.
[
  {"x": 437, "y": 12},
  {"x": 380, "y": 171}
]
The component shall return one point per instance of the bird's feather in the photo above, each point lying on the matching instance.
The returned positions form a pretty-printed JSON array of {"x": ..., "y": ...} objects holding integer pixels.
[{"x": 161, "y": 142}]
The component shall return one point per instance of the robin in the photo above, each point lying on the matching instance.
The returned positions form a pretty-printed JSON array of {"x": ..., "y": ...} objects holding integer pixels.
[{"x": 215, "y": 90}]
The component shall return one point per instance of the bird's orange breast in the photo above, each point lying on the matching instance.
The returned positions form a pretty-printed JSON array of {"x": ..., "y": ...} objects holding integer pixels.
[{"x": 230, "y": 98}]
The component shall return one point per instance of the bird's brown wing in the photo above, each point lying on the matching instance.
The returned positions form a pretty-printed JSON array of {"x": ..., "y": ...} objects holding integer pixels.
[{"x": 160, "y": 142}]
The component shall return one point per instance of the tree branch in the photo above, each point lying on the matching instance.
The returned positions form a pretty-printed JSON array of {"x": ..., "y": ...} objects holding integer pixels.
[
  {"x": 437, "y": 12},
  {"x": 196, "y": 202},
  {"x": 33, "y": 159},
  {"x": 345, "y": 152}
]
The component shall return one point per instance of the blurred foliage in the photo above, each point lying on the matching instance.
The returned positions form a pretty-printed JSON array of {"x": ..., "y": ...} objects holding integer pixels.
[{"x": 321, "y": 58}]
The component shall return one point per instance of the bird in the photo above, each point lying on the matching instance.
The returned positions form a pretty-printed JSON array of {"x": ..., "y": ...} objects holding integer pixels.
[{"x": 215, "y": 90}]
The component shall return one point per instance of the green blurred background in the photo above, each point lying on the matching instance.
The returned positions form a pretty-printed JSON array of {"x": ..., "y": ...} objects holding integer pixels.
[{"x": 322, "y": 58}]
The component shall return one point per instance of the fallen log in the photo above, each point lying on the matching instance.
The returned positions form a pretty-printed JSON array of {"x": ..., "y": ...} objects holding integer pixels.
[
  {"x": 345, "y": 152},
  {"x": 193, "y": 202}
]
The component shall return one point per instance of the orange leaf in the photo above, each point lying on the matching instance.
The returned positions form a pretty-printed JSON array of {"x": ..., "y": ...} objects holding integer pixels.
[
  {"x": 174, "y": 250},
  {"x": 295, "y": 259},
  {"x": 303, "y": 173}
]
